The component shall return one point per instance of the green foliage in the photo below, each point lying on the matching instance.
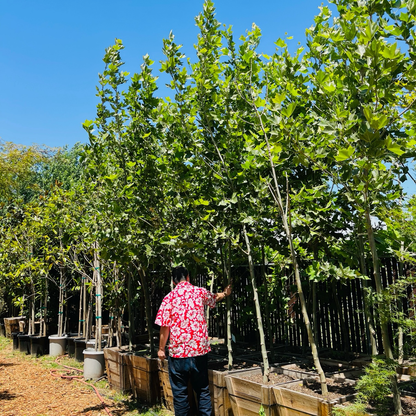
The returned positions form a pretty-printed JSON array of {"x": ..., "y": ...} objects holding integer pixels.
[
  {"x": 354, "y": 409},
  {"x": 400, "y": 234},
  {"x": 375, "y": 386}
]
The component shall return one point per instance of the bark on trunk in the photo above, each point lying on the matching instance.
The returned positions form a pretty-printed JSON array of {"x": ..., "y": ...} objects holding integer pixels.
[
  {"x": 258, "y": 310},
  {"x": 371, "y": 332},
  {"x": 98, "y": 299},
  {"x": 383, "y": 325},
  {"x": 148, "y": 311}
]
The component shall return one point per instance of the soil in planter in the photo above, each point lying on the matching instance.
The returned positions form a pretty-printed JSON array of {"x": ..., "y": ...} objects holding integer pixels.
[
  {"x": 308, "y": 367},
  {"x": 311, "y": 387},
  {"x": 274, "y": 378}
]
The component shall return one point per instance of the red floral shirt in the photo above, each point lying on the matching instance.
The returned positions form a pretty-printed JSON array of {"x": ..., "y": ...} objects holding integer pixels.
[{"x": 182, "y": 310}]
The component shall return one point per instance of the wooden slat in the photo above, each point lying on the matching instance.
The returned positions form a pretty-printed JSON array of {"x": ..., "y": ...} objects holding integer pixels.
[{"x": 144, "y": 378}]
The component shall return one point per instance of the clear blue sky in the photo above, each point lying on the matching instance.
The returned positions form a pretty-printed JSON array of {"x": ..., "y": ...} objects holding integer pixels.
[{"x": 51, "y": 52}]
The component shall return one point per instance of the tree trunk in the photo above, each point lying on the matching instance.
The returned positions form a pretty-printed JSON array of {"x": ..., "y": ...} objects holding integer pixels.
[
  {"x": 148, "y": 311},
  {"x": 130, "y": 309},
  {"x": 212, "y": 275},
  {"x": 43, "y": 325},
  {"x": 400, "y": 342},
  {"x": 84, "y": 308},
  {"x": 98, "y": 299},
  {"x": 258, "y": 310},
  {"x": 227, "y": 268},
  {"x": 61, "y": 302},
  {"x": 80, "y": 310},
  {"x": 383, "y": 324},
  {"x": 267, "y": 305},
  {"x": 371, "y": 332}
]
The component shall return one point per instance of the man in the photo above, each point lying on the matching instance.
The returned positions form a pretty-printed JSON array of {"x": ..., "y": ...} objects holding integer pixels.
[{"x": 181, "y": 317}]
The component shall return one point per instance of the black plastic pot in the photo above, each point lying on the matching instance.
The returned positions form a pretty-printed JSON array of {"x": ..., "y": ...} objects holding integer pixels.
[
  {"x": 38, "y": 345},
  {"x": 24, "y": 343},
  {"x": 15, "y": 340},
  {"x": 80, "y": 345},
  {"x": 70, "y": 343}
]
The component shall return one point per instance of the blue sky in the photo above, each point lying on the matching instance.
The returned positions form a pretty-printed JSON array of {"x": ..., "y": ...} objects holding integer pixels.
[{"x": 51, "y": 52}]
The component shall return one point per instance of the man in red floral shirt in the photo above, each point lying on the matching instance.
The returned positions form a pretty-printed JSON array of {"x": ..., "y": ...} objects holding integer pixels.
[{"x": 181, "y": 317}]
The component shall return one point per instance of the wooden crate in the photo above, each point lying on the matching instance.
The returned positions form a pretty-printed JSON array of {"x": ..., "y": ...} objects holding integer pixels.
[
  {"x": 221, "y": 403},
  {"x": 294, "y": 403},
  {"x": 408, "y": 370},
  {"x": 248, "y": 396},
  {"x": 12, "y": 325},
  {"x": 220, "y": 398},
  {"x": 144, "y": 378},
  {"x": 116, "y": 367}
]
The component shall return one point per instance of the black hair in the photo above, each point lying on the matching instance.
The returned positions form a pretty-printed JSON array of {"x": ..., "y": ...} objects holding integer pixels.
[{"x": 179, "y": 273}]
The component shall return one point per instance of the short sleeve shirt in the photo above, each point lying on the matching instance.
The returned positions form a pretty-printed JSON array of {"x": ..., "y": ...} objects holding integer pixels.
[{"x": 182, "y": 310}]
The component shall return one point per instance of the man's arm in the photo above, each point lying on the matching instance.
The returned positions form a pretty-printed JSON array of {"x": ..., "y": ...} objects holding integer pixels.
[
  {"x": 223, "y": 295},
  {"x": 163, "y": 339}
]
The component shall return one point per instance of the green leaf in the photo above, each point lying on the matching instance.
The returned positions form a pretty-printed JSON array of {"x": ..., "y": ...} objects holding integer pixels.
[
  {"x": 111, "y": 177},
  {"x": 395, "y": 148},
  {"x": 280, "y": 43},
  {"x": 202, "y": 201},
  {"x": 288, "y": 111},
  {"x": 344, "y": 154}
]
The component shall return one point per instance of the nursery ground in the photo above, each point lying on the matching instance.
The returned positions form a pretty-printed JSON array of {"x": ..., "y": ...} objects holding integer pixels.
[{"x": 29, "y": 388}]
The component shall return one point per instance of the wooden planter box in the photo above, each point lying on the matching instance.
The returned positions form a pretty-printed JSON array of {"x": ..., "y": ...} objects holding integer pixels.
[
  {"x": 408, "y": 370},
  {"x": 221, "y": 402},
  {"x": 294, "y": 403},
  {"x": 220, "y": 398},
  {"x": 144, "y": 378},
  {"x": 248, "y": 396},
  {"x": 116, "y": 367},
  {"x": 12, "y": 325}
]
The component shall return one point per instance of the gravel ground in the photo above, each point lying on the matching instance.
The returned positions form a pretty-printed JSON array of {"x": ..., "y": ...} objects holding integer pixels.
[{"x": 27, "y": 388}]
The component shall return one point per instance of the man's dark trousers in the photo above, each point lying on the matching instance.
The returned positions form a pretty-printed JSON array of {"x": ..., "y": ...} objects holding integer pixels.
[{"x": 180, "y": 370}]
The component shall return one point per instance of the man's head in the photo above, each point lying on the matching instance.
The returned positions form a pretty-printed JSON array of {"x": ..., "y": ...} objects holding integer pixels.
[{"x": 179, "y": 274}]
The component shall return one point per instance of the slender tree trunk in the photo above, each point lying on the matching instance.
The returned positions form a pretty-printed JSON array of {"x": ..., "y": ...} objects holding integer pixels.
[
  {"x": 61, "y": 302},
  {"x": 227, "y": 268},
  {"x": 61, "y": 290},
  {"x": 80, "y": 310},
  {"x": 148, "y": 310},
  {"x": 314, "y": 312},
  {"x": 43, "y": 327},
  {"x": 118, "y": 332},
  {"x": 88, "y": 326},
  {"x": 84, "y": 308},
  {"x": 388, "y": 351},
  {"x": 257, "y": 306},
  {"x": 98, "y": 299},
  {"x": 130, "y": 309},
  {"x": 371, "y": 332},
  {"x": 212, "y": 275},
  {"x": 31, "y": 329},
  {"x": 267, "y": 305},
  {"x": 400, "y": 341}
]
